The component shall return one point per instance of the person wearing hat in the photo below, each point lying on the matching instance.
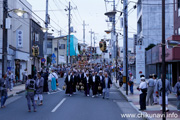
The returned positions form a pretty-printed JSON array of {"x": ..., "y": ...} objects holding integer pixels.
[
  {"x": 87, "y": 80},
  {"x": 142, "y": 93}
]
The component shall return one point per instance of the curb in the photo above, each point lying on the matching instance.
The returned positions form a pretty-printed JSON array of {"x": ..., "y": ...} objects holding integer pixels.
[
  {"x": 20, "y": 91},
  {"x": 9, "y": 96},
  {"x": 130, "y": 101}
]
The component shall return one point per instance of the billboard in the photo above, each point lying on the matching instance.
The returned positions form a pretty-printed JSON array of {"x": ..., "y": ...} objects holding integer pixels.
[{"x": 140, "y": 62}]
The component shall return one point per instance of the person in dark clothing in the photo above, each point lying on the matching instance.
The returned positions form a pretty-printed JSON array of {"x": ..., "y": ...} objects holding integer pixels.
[
  {"x": 3, "y": 87},
  {"x": 143, "y": 93},
  {"x": 45, "y": 76},
  {"x": 69, "y": 84}
]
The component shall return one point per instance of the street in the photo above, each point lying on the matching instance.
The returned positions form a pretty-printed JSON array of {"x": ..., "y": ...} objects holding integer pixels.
[{"x": 60, "y": 106}]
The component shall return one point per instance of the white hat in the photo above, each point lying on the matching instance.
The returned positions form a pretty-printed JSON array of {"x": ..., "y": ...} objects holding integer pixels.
[
  {"x": 100, "y": 71},
  {"x": 142, "y": 78}
]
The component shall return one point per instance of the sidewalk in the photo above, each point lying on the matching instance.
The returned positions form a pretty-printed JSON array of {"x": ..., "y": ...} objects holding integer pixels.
[
  {"x": 151, "y": 110},
  {"x": 16, "y": 90}
]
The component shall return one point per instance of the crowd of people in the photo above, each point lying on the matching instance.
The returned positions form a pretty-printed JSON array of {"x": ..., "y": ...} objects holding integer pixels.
[
  {"x": 92, "y": 79},
  {"x": 150, "y": 92},
  {"x": 88, "y": 79}
]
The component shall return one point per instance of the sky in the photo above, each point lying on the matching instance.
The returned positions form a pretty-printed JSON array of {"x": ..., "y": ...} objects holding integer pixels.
[{"x": 90, "y": 11}]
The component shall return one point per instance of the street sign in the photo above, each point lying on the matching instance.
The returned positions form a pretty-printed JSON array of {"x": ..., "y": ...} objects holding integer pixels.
[
  {"x": 53, "y": 55},
  {"x": 43, "y": 60}
]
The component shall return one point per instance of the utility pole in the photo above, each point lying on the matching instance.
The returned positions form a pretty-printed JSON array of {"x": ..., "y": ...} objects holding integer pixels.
[
  {"x": 4, "y": 55},
  {"x": 125, "y": 44},
  {"x": 46, "y": 33},
  {"x": 69, "y": 33},
  {"x": 94, "y": 45},
  {"x": 84, "y": 31},
  {"x": 163, "y": 62},
  {"x": 91, "y": 32}
]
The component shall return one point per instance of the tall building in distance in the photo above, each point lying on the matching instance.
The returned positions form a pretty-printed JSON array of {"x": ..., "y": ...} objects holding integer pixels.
[{"x": 149, "y": 21}]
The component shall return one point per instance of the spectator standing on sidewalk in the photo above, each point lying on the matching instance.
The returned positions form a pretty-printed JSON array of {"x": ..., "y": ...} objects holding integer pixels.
[
  {"x": 143, "y": 92},
  {"x": 177, "y": 90},
  {"x": 30, "y": 89},
  {"x": 10, "y": 77},
  {"x": 150, "y": 91},
  {"x": 120, "y": 78},
  {"x": 3, "y": 87},
  {"x": 154, "y": 94},
  {"x": 159, "y": 91},
  {"x": 131, "y": 82},
  {"x": 25, "y": 76},
  {"x": 39, "y": 89}
]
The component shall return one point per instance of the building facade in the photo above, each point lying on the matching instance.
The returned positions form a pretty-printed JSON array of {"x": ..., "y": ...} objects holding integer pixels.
[
  {"x": 149, "y": 25},
  {"x": 37, "y": 38},
  {"x": 18, "y": 37}
]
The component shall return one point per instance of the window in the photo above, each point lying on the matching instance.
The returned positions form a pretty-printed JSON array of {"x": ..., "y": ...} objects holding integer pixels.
[
  {"x": 49, "y": 44},
  {"x": 55, "y": 49},
  {"x": 62, "y": 46}
]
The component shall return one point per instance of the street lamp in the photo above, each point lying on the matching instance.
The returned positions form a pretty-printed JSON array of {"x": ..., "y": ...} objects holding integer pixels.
[
  {"x": 44, "y": 29},
  {"x": 19, "y": 12}
]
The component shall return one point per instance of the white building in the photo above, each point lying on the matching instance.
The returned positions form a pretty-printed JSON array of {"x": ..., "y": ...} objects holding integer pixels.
[
  {"x": 149, "y": 21},
  {"x": 18, "y": 52}
]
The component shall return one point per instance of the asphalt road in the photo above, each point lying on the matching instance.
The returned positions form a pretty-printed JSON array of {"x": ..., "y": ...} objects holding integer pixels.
[{"x": 59, "y": 106}]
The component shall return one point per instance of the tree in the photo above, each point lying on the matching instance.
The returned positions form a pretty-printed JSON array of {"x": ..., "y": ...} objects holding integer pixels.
[{"x": 150, "y": 47}]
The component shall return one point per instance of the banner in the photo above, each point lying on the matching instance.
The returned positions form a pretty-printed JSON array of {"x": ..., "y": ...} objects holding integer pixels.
[
  {"x": 140, "y": 62},
  {"x": 19, "y": 38}
]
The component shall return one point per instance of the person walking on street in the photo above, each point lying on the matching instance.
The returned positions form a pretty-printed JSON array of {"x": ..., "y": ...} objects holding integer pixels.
[
  {"x": 45, "y": 76},
  {"x": 94, "y": 83},
  {"x": 131, "y": 82},
  {"x": 101, "y": 79},
  {"x": 150, "y": 91},
  {"x": 107, "y": 83},
  {"x": 142, "y": 94},
  {"x": 39, "y": 89},
  {"x": 69, "y": 84},
  {"x": 53, "y": 77},
  {"x": 87, "y": 80},
  {"x": 177, "y": 90},
  {"x": 4, "y": 90},
  {"x": 159, "y": 90},
  {"x": 30, "y": 89}
]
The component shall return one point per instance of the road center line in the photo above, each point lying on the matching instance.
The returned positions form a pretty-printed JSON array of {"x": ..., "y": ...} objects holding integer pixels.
[{"x": 58, "y": 105}]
